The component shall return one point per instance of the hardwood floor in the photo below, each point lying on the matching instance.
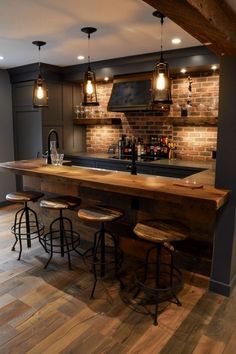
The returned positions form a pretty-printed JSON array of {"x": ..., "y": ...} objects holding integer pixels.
[{"x": 49, "y": 311}]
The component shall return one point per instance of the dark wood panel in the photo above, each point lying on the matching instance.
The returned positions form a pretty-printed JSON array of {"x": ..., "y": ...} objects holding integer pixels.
[
  {"x": 22, "y": 95},
  {"x": 53, "y": 113},
  {"x": 27, "y": 134}
]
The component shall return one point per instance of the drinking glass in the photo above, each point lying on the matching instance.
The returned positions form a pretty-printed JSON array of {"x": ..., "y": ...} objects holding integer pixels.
[
  {"x": 60, "y": 158},
  {"x": 57, "y": 159}
]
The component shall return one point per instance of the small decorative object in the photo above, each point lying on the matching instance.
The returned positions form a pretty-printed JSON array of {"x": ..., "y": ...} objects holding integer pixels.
[
  {"x": 189, "y": 102},
  {"x": 77, "y": 111},
  {"x": 80, "y": 111},
  {"x": 184, "y": 111},
  {"x": 185, "y": 108}
]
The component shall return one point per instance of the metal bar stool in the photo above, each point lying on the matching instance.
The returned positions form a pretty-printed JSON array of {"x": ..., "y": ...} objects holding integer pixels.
[
  {"x": 26, "y": 225},
  {"x": 105, "y": 252},
  {"x": 61, "y": 237},
  {"x": 163, "y": 281}
]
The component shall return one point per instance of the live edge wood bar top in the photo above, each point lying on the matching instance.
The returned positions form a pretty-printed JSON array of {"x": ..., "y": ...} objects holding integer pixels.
[{"x": 195, "y": 188}]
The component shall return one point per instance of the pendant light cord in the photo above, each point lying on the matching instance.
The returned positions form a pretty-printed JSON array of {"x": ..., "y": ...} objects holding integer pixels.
[
  {"x": 89, "y": 51},
  {"x": 162, "y": 21},
  {"x": 39, "y": 59}
]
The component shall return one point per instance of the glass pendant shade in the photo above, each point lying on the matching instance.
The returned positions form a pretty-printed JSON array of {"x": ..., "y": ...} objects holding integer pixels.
[
  {"x": 40, "y": 91},
  {"x": 161, "y": 84},
  {"x": 89, "y": 89},
  {"x": 89, "y": 83}
]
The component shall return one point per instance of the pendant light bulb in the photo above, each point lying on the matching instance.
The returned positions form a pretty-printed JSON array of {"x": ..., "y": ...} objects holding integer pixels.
[
  {"x": 89, "y": 87},
  {"x": 89, "y": 84},
  {"x": 40, "y": 92},
  {"x": 160, "y": 82},
  {"x": 39, "y": 88}
]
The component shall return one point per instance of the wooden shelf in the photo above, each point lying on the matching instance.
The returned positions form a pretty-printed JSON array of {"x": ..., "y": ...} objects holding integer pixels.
[
  {"x": 176, "y": 121},
  {"x": 97, "y": 121},
  {"x": 194, "y": 121},
  {"x": 191, "y": 121}
]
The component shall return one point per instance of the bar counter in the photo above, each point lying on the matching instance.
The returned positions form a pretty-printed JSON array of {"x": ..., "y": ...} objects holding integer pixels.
[
  {"x": 192, "y": 200},
  {"x": 198, "y": 187}
]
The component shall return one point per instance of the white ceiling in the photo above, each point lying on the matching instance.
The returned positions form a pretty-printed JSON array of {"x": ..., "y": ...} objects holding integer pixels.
[{"x": 125, "y": 27}]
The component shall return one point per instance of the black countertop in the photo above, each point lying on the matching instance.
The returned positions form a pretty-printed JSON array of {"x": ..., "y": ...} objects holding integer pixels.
[
  {"x": 190, "y": 171},
  {"x": 208, "y": 165}
]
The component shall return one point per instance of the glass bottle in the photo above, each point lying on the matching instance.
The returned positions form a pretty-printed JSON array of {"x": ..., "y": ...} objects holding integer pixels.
[{"x": 53, "y": 151}]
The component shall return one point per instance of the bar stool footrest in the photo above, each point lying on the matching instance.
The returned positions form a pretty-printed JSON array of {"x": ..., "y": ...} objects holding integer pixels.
[
  {"x": 72, "y": 237},
  {"x": 110, "y": 261},
  {"x": 36, "y": 230},
  {"x": 165, "y": 291}
]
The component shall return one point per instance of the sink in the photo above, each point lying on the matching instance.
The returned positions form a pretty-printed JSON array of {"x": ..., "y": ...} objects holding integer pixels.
[{"x": 140, "y": 159}]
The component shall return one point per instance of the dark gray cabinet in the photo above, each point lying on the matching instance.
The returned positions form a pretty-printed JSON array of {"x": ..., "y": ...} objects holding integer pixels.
[{"x": 31, "y": 125}]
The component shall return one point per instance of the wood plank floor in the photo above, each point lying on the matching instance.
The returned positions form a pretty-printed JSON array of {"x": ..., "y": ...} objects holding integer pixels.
[{"x": 49, "y": 311}]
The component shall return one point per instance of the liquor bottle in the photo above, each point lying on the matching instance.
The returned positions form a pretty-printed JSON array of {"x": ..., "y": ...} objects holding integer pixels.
[
  {"x": 142, "y": 148},
  {"x": 130, "y": 148},
  {"x": 139, "y": 148},
  {"x": 53, "y": 152},
  {"x": 120, "y": 153},
  {"x": 165, "y": 146}
]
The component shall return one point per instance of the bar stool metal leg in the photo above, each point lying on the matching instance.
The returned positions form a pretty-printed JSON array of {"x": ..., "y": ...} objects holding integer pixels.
[
  {"x": 27, "y": 225},
  {"x": 61, "y": 238}
]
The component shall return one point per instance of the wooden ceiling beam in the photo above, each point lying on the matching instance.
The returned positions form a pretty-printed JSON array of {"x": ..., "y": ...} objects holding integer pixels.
[{"x": 212, "y": 22}]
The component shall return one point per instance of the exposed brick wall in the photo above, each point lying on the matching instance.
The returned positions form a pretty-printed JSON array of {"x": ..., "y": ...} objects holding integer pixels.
[{"x": 193, "y": 143}]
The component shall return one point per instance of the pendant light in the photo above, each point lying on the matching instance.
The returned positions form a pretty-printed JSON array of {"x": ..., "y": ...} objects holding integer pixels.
[
  {"x": 89, "y": 86},
  {"x": 161, "y": 85},
  {"x": 40, "y": 92}
]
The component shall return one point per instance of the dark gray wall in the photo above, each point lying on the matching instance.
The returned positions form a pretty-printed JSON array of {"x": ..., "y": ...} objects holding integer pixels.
[
  {"x": 7, "y": 181},
  {"x": 224, "y": 257}
]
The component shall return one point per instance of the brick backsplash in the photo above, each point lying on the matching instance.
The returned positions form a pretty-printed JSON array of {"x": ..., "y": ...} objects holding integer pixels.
[{"x": 193, "y": 143}]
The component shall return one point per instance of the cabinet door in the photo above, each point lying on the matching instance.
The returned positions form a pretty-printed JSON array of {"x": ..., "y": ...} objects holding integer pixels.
[
  {"x": 74, "y": 135},
  {"x": 112, "y": 165},
  {"x": 27, "y": 122},
  {"x": 22, "y": 95},
  {"x": 28, "y": 134},
  {"x": 144, "y": 169}
]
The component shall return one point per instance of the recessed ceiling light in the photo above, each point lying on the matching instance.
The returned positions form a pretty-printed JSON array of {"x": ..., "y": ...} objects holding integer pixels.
[
  {"x": 106, "y": 78},
  {"x": 80, "y": 57},
  {"x": 183, "y": 70},
  {"x": 1, "y": 57},
  {"x": 176, "y": 40},
  {"x": 214, "y": 67}
]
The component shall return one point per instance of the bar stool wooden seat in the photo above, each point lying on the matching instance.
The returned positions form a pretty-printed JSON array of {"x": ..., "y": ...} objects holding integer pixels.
[
  {"x": 61, "y": 237},
  {"x": 26, "y": 226},
  {"x": 165, "y": 279},
  {"x": 105, "y": 254}
]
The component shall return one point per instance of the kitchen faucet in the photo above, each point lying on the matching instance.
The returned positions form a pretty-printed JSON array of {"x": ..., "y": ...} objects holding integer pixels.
[{"x": 52, "y": 131}]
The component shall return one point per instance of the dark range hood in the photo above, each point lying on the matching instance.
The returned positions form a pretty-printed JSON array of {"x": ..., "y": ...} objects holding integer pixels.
[{"x": 132, "y": 93}]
